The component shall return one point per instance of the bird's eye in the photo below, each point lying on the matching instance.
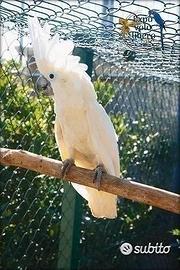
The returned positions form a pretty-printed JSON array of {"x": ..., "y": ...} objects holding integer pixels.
[{"x": 51, "y": 76}]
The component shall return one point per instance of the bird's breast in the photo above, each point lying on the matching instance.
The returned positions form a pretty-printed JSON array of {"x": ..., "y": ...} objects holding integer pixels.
[{"x": 75, "y": 127}]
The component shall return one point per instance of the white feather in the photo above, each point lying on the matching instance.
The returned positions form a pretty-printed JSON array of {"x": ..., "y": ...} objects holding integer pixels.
[
  {"x": 83, "y": 130},
  {"x": 88, "y": 136},
  {"x": 52, "y": 50}
]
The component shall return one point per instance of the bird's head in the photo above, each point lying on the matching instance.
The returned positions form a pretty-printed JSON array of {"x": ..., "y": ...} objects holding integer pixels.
[
  {"x": 53, "y": 56},
  {"x": 151, "y": 12}
]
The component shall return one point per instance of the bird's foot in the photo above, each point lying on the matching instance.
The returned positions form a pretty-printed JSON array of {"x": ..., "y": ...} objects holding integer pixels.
[
  {"x": 99, "y": 170},
  {"x": 67, "y": 164}
]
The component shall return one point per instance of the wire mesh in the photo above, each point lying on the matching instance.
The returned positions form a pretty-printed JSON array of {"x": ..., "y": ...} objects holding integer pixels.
[
  {"x": 138, "y": 90},
  {"x": 92, "y": 24}
]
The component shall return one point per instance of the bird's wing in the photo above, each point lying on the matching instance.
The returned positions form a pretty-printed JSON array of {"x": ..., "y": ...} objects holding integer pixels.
[
  {"x": 103, "y": 137},
  {"x": 104, "y": 144},
  {"x": 100, "y": 128}
]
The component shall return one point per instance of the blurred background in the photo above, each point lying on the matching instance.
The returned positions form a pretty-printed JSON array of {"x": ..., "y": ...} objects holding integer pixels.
[{"x": 45, "y": 224}]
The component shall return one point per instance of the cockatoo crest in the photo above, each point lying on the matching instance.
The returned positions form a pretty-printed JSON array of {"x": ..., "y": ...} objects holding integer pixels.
[{"x": 52, "y": 54}]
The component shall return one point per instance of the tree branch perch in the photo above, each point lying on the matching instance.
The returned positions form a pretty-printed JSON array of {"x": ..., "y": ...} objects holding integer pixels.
[{"x": 122, "y": 187}]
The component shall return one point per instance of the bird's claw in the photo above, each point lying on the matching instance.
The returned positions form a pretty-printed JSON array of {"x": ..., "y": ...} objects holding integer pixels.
[
  {"x": 99, "y": 170},
  {"x": 67, "y": 164}
]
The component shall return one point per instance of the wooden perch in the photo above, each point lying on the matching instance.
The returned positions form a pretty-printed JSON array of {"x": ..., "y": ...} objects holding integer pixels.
[{"x": 122, "y": 187}]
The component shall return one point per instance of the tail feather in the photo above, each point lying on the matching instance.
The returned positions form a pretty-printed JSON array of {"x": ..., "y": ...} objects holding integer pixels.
[{"x": 102, "y": 204}]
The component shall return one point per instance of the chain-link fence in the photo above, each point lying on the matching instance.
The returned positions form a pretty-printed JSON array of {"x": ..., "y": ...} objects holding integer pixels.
[{"x": 45, "y": 224}]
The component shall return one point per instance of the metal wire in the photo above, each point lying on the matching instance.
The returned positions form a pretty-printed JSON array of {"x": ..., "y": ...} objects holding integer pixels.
[
  {"x": 90, "y": 24},
  {"x": 138, "y": 86}
]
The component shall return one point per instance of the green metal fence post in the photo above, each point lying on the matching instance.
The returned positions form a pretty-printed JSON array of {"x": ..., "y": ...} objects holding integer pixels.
[{"x": 70, "y": 226}]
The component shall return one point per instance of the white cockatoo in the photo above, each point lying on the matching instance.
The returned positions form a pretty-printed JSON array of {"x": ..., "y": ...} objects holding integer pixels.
[{"x": 84, "y": 132}]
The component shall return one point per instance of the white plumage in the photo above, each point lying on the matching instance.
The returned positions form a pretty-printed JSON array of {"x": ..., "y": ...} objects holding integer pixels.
[{"x": 83, "y": 130}]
